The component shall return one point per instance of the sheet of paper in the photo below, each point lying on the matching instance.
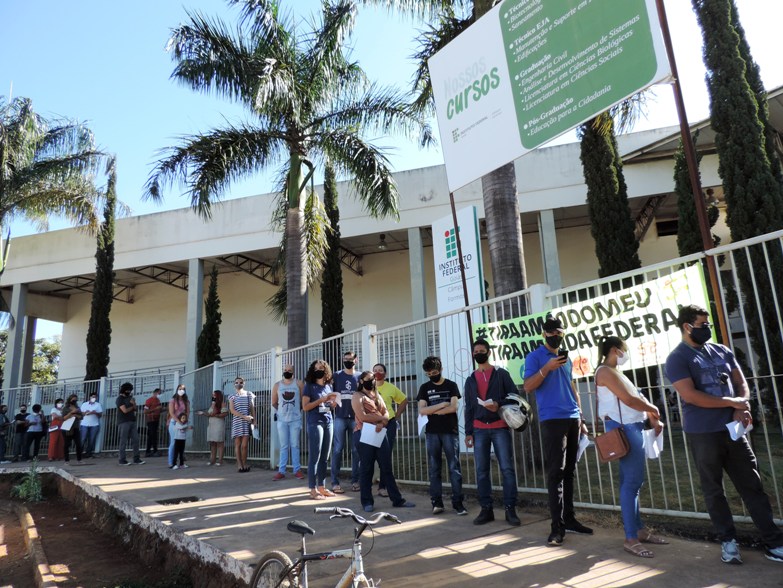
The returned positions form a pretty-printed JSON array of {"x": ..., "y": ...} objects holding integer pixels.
[
  {"x": 370, "y": 436},
  {"x": 653, "y": 444},
  {"x": 338, "y": 400},
  {"x": 584, "y": 443},
  {"x": 66, "y": 426},
  {"x": 737, "y": 429},
  {"x": 255, "y": 432},
  {"x": 423, "y": 420},
  {"x": 484, "y": 402}
]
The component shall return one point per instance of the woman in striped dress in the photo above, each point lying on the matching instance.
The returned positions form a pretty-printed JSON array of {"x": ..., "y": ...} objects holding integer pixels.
[{"x": 243, "y": 413}]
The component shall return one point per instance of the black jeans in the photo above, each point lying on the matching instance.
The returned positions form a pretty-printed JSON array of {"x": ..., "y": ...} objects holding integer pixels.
[
  {"x": 716, "y": 452},
  {"x": 560, "y": 438},
  {"x": 76, "y": 439},
  {"x": 152, "y": 436},
  {"x": 32, "y": 438}
]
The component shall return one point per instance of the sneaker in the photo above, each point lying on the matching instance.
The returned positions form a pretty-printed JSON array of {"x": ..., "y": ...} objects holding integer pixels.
[
  {"x": 460, "y": 509},
  {"x": 577, "y": 527},
  {"x": 142, "y": 462},
  {"x": 404, "y": 504},
  {"x": 555, "y": 539},
  {"x": 774, "y": 553},
  {"x": 278, "y": 476},
  {"x": 175, "y": 467},
  {"x": 730, "y": 553},
  {"x": 512, "y": 518},
  {"x": 156, "y": 454},
  {"x": 486, "y": 515},
  {"x": 299, "y": 475},
  {"x": 437, "y": 506},
  {"x": 184, "y": 465},
  {"x": 124, "y": 462},
  {"x": 5, "y": 461},
  {"x": 368, "y": 508}
]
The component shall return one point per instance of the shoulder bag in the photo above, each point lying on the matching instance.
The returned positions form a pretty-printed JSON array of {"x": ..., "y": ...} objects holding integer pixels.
[{"x": 613, "y": 445}]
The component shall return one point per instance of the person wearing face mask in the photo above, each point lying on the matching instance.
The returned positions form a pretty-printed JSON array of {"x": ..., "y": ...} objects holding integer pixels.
[
  {"x": 178, "y": 404},
  {"x": 392, "y": 396},
  {"x": 620, "y": 404},
  {"x": 20, "y": 428},
  {"x": 91, "y": 424},
  {"x": 287, "y": 401},
  {"x": 437, "y": 400},
  {"x": 242, "y": 406},
  {"x": 55, "y": 451},
  {"x": 72, "y": 416},
  {"x": 485, "y": 390},
  {"x": 317, "y": 401},
  {"x": 152, "y": 410},
  {"x": 548, "y": 374},
  {"x": 714, "y": 393},
  {"x": 34, "y": 432},
  {"x": 5, "y": 426},
  {"x": 345, "y": 383},
  {"x": 216, "y": 427},
  {"x": 126, "y": 423}
]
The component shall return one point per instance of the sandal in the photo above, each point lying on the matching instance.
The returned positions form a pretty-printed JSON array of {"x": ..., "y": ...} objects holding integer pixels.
[
  {"x": 355, "y": 488},
  {"x": 326, "y": 493},
  {"x": 315, "y": 495},
  {"x": 382, "y": 492},
  {"x": 338, "y": 489},
  {"x": 639, "y": 550},
  {"x": 650, "y": 537}
]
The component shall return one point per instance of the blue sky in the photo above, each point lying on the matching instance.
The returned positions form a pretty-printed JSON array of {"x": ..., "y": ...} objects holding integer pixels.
[{"x": 104, "y": 62}]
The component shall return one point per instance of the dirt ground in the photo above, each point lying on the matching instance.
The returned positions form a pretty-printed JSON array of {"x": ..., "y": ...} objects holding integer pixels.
[{"x": 79, "y": 555}]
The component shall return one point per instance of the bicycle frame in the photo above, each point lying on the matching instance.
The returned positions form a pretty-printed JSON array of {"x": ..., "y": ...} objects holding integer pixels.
[{"x": 352, "y": 576}]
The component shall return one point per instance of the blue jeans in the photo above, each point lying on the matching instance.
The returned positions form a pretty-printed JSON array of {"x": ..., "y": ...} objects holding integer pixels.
[
  {"x": 501, "y": 441},
  {"x": 171, "y": 427},
  {"x": 631, "y": 477},
  {"x": 344, "y": 428},
  {"x": 319, "y": 438},
  {"x": 288, "y": 435},
  {"x": 437, "y": 445},
  {"x": 89, "y": 437},
  {"x": 368, "y": 455}
]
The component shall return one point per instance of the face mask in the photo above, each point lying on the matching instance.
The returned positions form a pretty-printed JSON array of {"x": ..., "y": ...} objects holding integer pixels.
[
  {"x": 24, "y": 410},
  {"x": 623, "y": 359},
  {"x": 481, "y": 357},
  {"x": 238, "y": 386},
  {"x": 214, "y": 399},
  {"x": 349, "y": 364},
  {"x": 434, "y": 379},
  {"x": 701, "y": 335},
  {"x": 180, "y": 392},
  {"x": 367, "y": 386},
  {"x": 93, "y": 399},
  {"x": 288, "y": 375},
  {"x": 554, "y": 341},
  {"x": 378, "y": 376},
  {"x": 318, "y": 374},
  {"x": 59, "y": 405}
]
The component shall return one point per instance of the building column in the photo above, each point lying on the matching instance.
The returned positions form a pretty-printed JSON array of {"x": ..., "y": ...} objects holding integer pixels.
[
  {"x": 418, "y": 297},
  {"x": 29, "y": 350},
  {"x": 548, "y": 238},
  {"x": 16, "y": 336},
  {"x": 195, "y": 311}
]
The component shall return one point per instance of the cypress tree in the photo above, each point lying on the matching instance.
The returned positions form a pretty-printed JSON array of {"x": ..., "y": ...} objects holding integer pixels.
[
  {"x": 607, "y": 198},
  {"x": 99, "y": 329},
  {"x": 208, "y": 344},
  {"x": 332, "y": 279}
]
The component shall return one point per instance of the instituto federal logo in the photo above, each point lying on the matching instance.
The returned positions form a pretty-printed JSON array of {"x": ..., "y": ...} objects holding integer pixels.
[{"x": 451, "y": 243}]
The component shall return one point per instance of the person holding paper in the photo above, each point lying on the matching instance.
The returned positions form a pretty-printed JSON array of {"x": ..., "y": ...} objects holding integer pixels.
[
  {"x": 72, "y": 416},
  {"x": 714, "y": 394},
  {"x": 619, "y": 401},
  {"x": 371, "y": 413},
  {"x": 485, "y": 390},
  {"x": 438, "y": 400},
  {"x": 55, "y": 451},
  {"x": 392, "y": 396},
  {"x": 317, "y": 401}
]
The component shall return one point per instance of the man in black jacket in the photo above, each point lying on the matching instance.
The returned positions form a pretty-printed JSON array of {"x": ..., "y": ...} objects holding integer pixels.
[{"x": 485, "y": 391}]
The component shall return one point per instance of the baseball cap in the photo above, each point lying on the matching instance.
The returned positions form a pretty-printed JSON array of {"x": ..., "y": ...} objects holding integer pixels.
[{"x": 553, "y": 324}]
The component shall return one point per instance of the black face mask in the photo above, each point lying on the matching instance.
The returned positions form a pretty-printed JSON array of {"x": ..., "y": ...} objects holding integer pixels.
[
  {"x": 349, "y": 364},
  {"x": 434, "y": 379},
  {"x": 367, "y": 385},
  {"x": 288, "y": 375},
  {"x": 318, "y": 374},
  {"x": 701, "y": 335},
  {"x": 554, "y": 341},
  {"x": 214, "y": 399},
  {"x": 481, "y": 357}
]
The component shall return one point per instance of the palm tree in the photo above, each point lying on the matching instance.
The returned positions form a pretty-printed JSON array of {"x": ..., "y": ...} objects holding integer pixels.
[
  {"x": 47, "y": 168},
  {"x": 448, "y": 19},
  {"x": 309, "y": 104}
]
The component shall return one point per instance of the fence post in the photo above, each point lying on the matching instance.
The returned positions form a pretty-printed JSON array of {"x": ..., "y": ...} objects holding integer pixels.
[
  {"x": 276, "y": 353},
  {"x": 369, "y": 346},
  {"x": 35, "y": 395},
  {"x": 216, "y": 383},
  {"x": 102, "y": 391},
  {"x": 539, "y": 298}
]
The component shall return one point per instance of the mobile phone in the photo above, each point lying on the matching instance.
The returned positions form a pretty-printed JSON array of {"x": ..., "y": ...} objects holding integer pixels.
[{"x": 562, "y": 353}]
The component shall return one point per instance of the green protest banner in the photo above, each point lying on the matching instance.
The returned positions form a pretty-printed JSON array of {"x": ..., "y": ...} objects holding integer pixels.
[{"x": 645, "y": 316}]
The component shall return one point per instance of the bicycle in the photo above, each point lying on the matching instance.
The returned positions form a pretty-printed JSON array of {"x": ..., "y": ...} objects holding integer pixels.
[{"x": 275, "y": 569}]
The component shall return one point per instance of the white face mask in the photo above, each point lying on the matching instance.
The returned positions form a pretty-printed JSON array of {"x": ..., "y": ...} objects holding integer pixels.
[
  {"x": 623, "y": 359},
  {"x": 180, "y": 392},
  {"x": 93, "y": 399},
  {"x": 59, "y": 405}
]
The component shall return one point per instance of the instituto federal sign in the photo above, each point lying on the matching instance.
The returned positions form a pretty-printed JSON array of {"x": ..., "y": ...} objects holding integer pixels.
[
  {"x": 645, "y": 316},
  {"x": 531, "y": 70}
]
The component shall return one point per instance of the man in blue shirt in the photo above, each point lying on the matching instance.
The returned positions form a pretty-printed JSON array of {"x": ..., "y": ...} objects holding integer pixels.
[
  {"x": 345, "y": 383},
  {"x": 548, "y": 374},
  {"x": 714, "y": 393}
]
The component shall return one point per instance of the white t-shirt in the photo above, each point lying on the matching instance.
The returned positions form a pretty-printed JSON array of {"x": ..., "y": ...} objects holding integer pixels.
[
  {"x": 607, "y": 402},
  {"x": 91, "y": 420}
]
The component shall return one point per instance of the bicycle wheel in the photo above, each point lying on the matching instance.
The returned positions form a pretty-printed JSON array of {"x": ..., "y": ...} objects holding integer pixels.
[{"x": 270, "y": 569}]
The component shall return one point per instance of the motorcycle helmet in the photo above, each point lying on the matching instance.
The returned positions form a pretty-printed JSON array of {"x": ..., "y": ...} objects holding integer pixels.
[{"x": 515, "y": 410}]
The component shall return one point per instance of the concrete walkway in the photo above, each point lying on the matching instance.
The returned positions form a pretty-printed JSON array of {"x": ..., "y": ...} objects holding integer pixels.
[{"x": 245, "y": 515}]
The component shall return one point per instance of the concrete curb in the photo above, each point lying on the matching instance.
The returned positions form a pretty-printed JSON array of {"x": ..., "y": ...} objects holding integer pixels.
[{"x": 43, "y": 575}]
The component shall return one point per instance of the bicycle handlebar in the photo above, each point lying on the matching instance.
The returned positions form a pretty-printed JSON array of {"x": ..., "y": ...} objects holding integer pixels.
[{"x": 339, "y": 512}]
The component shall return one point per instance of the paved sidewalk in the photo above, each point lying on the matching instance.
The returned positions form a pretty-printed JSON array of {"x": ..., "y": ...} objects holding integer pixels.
[{"x": 245, "y": 515}]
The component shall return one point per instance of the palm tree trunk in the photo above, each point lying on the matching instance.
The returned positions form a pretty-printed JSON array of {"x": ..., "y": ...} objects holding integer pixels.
[{"x": 295, "y": 259}]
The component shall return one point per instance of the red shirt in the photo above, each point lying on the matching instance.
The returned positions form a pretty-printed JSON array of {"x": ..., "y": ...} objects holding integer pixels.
[
  {"x": 482, "y": 385},
  {"x": 152, "y": 413}
]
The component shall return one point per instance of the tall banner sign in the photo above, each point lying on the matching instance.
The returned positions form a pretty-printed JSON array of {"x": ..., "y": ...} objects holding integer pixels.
[
  {"x": 645, "y": 316},
  {"x": 531, "y": 70}
]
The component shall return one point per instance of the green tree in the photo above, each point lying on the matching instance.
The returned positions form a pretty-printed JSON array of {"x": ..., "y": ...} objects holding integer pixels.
[
  {"x": 308, "y": 102},
  {"x": 99, "y": 328},
  {"x": 46, "y": 168},
  {"x": 46, "y": 359},
  {"x": 611, "y": 224},
  {"x": 208, "y": 344},
  {"x": 332, "y": 280},
  {"x": 447, "y": 19}
]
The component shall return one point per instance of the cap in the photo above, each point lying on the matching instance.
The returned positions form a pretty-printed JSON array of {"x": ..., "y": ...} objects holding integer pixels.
[{"x": 553, "y": 324}]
